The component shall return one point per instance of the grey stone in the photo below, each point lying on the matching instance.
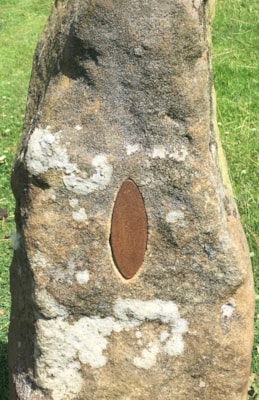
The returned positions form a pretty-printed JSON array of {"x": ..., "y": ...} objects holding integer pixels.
[{"x": 123, "y": 90}]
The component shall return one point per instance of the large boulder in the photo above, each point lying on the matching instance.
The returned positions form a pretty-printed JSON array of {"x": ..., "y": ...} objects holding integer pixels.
[{"x": 131, "y": 276}]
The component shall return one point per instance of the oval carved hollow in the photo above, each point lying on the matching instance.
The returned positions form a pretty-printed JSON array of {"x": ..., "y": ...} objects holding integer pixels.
[{"x": 128, "y": 230}]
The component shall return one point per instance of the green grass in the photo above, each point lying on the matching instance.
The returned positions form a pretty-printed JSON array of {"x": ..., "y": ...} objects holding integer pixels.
[{"x": 236, "y": 73}]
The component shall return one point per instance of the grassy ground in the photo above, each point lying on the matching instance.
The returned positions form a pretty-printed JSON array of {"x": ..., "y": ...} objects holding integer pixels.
[{"x": 236, "y": 70}]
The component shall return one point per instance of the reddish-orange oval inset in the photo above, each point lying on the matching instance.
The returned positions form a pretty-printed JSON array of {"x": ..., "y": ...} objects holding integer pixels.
[{"x": 129, "y": 230}]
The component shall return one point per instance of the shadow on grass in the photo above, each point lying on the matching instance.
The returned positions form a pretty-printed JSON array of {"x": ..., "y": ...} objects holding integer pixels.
[{"x": 3, "y": 371}]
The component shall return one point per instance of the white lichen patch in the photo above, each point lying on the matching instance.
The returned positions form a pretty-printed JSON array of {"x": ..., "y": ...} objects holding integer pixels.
[
  {"x": 44, "y": 153},
  {"x": 82, "y": 277},
  {"x": 57, "y": 370},
  {"x": 177, "y": 153},
  {"x": 171, "y": 341},
  {"x": 48, "y": 306},
  {"x": 139, "y": 310},
  {"x": 98, "y": 181},
  {"x": 175, "y": 216},
  {"x": 159, "y": 152},
  {"x": 73, "y": 203},
  {"x": 103, "y": 174},
  {"x": 80, "y": 215},
  {"x": 38, "y": 262},
  {"x": 61, "y": 344},
  {"x": 228, "y": 309},
  {"x": 133, "y": 148}
]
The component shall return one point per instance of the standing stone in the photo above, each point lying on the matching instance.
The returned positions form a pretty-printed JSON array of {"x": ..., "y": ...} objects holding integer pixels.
[{"x": 120, "y": 136}]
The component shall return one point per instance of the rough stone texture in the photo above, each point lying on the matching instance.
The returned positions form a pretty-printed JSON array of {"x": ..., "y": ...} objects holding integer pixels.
[{"x": 123, "y": 90}]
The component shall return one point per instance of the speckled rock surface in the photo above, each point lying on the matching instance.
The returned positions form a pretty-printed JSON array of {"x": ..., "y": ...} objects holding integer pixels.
[{"x": 122, "y": 90}]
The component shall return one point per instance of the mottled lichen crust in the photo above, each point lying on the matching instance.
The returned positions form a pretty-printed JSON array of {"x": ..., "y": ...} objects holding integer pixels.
[
  {"x": 86, "y": 340},
  {"x": 122, "y": 90}
]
